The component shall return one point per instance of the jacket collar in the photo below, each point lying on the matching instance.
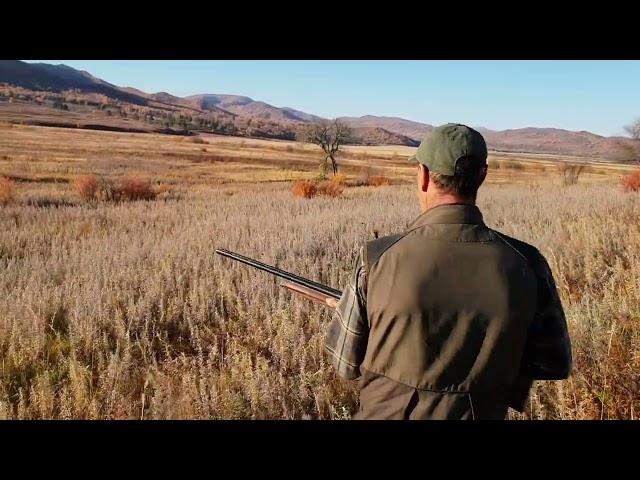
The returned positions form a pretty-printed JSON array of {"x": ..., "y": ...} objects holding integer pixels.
[{"x": 451, "y": 213}]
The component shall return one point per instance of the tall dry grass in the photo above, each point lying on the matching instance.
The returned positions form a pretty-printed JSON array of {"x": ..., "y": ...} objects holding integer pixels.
[{"x": 122, "y": 310}]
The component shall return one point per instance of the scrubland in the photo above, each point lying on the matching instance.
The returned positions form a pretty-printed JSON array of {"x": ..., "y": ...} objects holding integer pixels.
[{"x": 120, "y": 309}]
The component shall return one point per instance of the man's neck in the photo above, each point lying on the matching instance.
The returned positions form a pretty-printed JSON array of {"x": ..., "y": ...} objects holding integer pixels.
[{"x": 449, "y": 200}]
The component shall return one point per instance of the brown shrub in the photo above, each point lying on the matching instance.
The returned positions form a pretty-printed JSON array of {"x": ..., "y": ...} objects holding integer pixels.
[
  {"x": 87, "y": 187},
  {"x": 6, "y": 190},
  {"x": 631, "y": 182},
  {"x": 330, "y": 189},
  {"x": 130, "y": 188},
  {"x": 304, "y": 189},
  {"x": 90, "y": 187},
  {"x": 378, "y": 181},
  {"x": 197, "y": 140}
]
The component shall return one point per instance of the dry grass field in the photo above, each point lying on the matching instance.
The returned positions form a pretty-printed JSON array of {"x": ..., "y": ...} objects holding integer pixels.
[{"x": 122, "y": 310}]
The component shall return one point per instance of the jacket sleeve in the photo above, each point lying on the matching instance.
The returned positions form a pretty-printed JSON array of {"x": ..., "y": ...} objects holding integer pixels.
[{"x": 547, "y": 353}]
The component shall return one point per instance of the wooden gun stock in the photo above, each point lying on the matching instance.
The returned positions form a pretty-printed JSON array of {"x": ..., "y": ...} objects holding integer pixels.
[{"x": 310, "y": 294}]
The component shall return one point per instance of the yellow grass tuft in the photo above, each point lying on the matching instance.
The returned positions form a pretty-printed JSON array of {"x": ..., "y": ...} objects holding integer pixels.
[{"x": 339, "y": 179}]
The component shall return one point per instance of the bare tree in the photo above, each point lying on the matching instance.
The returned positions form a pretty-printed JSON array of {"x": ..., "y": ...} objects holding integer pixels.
[
  {"x": 633, "y": 150},
  {"x": 629, "y": 150},
  {"x": 329, "y": 136},
  {"x": 634, "y": 130}
]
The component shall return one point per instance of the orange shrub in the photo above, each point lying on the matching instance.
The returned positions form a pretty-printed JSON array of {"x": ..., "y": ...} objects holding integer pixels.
[
  {"x": 330, "y": 189},
  {"x": 378, "y": 181},
  {"x": 304, "y": 189},
  {"x": 87, "y": 186},
  {"x": 631, "y": 182},
  {"x": 6, "y": 190},
  {"x": 129, "y": 188}
]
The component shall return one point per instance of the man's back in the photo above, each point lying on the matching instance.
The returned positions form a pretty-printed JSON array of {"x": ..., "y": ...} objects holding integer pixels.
[
  {"x": 449, "y": 319},
  {"x": 450, "y": 307}
]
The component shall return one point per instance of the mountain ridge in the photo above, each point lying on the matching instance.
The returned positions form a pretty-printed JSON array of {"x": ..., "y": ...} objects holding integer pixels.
[{"x": 248, "y": 112}]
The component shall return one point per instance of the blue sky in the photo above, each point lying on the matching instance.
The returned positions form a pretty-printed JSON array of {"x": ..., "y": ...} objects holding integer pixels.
[{"x": 598, "y": 96}]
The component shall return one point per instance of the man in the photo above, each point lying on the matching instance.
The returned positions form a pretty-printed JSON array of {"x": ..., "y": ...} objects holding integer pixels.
[{"x": 449, "y": 319}]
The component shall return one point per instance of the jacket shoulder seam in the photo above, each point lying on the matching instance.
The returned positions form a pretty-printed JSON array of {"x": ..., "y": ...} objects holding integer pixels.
[
  {"x": 386, "y": 249},
  {"x": 528, "y": 260}
]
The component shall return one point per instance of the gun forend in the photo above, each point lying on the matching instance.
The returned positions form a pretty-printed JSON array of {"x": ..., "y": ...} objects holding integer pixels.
[{"x": 310, "y": 294}]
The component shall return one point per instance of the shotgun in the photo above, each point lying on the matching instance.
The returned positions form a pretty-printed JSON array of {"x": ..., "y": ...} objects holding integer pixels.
[{"x": 309, "y": 289}]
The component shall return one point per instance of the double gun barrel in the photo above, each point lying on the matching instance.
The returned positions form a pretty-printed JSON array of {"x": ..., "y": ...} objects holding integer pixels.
[{"x": 303, "y": 286}]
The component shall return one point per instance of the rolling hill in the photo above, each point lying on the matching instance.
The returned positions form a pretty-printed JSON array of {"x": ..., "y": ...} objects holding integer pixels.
[
  {"x": 552, "y": 141},
  {"x": 408, "y": 128},
  {"x": 245, "y": 106},
  {"x": 57, "y": 78},
  {"x": 245, "y": 116}
]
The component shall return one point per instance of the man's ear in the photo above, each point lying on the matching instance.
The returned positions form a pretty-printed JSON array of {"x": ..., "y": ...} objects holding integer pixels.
[
  {"x": 483, "y": 174},
  {"x": 424, "y": 177}
]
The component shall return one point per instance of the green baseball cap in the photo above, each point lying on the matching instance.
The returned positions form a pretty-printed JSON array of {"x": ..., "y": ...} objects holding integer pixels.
[{"x": 445, "y": 145}]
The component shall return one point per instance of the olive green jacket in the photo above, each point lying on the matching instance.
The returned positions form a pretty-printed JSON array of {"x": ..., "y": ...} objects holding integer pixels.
[{"x": 449, "y": 320}]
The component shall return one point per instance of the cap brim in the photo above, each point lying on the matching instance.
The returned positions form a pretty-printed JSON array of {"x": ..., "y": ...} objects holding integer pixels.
[{"x": 413, "y": 158}]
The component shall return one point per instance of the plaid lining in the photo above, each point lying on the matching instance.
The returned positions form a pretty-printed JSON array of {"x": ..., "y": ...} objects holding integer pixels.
[{"x": 348, "y": 331}]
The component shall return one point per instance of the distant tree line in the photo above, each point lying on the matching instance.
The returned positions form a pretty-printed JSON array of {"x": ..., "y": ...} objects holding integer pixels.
[
  {"x": 176, "y": 119},
  {"x": 59, "y": 104}
]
